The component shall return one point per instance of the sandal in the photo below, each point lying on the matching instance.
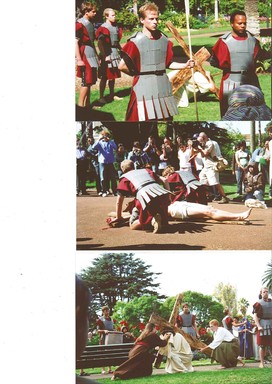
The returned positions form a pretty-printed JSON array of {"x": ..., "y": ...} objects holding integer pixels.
[{"x": 84, "y": 374}]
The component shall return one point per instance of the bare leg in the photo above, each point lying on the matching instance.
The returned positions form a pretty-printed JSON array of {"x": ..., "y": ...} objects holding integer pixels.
[
  {"x": 111, "y": 88},
  {"x": 136, "y": 225},
  {"x": 221, "y": 190},
  {"x": 262, "y": 352},
  {"x": 102, "y": 87},
  {"x": 83, "y": 94},
  {"x": 216, "y": 214}
]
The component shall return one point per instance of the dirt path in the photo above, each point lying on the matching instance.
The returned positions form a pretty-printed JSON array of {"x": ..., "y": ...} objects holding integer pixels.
[{"x": 94, "y": 234}]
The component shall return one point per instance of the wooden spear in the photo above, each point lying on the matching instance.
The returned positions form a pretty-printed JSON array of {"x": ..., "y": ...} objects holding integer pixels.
[{"x": 187, "y": 12}]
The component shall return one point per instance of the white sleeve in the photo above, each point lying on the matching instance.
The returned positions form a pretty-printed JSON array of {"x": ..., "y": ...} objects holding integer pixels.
[{"x": 218, "y": 338}]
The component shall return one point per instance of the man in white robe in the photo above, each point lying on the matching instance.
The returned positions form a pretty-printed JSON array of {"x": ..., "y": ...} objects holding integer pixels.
[{"x": 178, "y": 353}]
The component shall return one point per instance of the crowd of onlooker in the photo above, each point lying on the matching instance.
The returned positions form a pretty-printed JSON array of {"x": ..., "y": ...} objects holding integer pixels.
[{"x": 100, "y": 162}]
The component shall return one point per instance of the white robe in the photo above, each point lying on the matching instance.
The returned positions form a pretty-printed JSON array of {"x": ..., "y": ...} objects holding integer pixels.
[{"x": 179, "y": 355}]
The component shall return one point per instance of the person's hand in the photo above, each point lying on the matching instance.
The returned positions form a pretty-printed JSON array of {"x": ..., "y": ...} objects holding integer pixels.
[
  {"x": 190, "y": 63},
  {"x": 108, "y": 59},
  {"x": 80, "y": 63}
]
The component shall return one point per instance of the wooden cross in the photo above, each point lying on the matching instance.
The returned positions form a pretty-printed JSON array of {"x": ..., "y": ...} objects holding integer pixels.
[
  {"x": 200, "y": 56},
  {"x": 161, "y": 323}
]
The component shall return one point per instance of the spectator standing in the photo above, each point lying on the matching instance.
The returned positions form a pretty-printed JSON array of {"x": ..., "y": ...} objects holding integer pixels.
[
  {"x": 253, "y": 331},
  {"x": 245, "y": 338},
  {"x": 105, "y": 148},
  {"x": 261, "y": 155},
  {"x": 95, "y": 164},
  {"x": 82, "y": 162},
  {"x": 209, "y": 175},
  {"x": 120, "y": 155},
  {"x": 184, "y": 156},
  {"x": 139, "y": 157},
  {"x": 242, "y": 157},
  {"x": 153, "y": 152},
  {"x": 235, "y": 169},
  {"x": 169, "y": 151},
  {"x": 227, "y": 320}
]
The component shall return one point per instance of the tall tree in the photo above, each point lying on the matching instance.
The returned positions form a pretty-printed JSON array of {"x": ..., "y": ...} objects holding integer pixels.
[
  {"x": 118, "y": 276},
  {"x": 204, "y": 306},
  {"x": 138, "y": 309},
  {"x": 267, "y": 278},
  {"x": 243, "y": 305},
  {"x": 227, "y": 295}
]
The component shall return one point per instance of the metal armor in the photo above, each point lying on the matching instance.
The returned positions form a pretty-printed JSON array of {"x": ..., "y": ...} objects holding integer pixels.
[
  {"x": 146, "y": 187},
  {"x": 189, "y": 180},
  {"x": 242, "y": 69},
  {"x": 114, "y": 38},
  {"x": 266, "y": 320},
  {"x": 153, "y": 89},
  {"x": 89, "y": 50},
  {"x": 186, "y": 319}
]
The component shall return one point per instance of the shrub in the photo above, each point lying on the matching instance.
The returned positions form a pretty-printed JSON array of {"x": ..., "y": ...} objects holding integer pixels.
[
  {"x": 127, "y": 19},
  {"x": 264, "y": 65}
]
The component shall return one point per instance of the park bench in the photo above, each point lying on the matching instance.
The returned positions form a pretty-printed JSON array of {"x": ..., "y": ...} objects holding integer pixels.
[{"x": 95, "y": 356}]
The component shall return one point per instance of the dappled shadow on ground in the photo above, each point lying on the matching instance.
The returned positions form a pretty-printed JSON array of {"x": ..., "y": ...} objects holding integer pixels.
[
  {"x": 120, "y": 93},
  {"x": 187, "y": 226},
  {"x": 90, "y": 114}
]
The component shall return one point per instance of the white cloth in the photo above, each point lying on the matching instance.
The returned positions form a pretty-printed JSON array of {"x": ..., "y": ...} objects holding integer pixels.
[
  {"x": 184, "y": 157},
  {"x": 186, "y": 91},
  {"x": 179, "y": 355},
  {"x": 270, "y": 164},
  {"x": 219, "y": 336}
]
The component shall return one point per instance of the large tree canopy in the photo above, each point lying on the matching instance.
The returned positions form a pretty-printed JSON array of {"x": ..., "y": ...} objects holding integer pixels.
[
  {"x": 227, "y": 295},
  {"x": 204, "y": 306},
  {"x": 118, "y": 277}
]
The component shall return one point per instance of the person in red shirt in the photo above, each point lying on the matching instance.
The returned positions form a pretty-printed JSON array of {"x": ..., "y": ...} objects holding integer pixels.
[
  {"x": 109, "y": 36},
  {"x": 86, "y": 57},
  {"x": 146, "y": 56},
  {"x": 236, "y": 53}
]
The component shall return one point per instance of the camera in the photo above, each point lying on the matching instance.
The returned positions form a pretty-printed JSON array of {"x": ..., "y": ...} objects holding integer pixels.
[{"x": 195, "y": 143}]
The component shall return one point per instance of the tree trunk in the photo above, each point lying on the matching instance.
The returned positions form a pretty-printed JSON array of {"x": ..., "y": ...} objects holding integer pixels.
[
  {"x": 174, "y": 314},
  {"x": 253, "y": 23}
]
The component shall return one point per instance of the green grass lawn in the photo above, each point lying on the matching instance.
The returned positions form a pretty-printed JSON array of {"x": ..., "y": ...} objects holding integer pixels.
[{"x": 230, "y": 376}]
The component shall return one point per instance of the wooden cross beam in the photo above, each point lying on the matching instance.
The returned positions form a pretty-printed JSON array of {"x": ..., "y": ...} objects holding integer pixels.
[
  {"x": 200, "y": 56},
  {"x": 194, "y": 343}
]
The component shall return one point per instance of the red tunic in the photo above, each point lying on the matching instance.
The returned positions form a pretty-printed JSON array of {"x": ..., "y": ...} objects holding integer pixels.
[
  {"x": 262, "y": 340},
  {"x": 157, "y": 204},
  {"x": 132, "y": 51},
  {"x": 221, "y": 52},
  {"x": 83, "y": 40},
  {"x": 108, "y": 73},
  {"x": 178, "y": 187}
]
